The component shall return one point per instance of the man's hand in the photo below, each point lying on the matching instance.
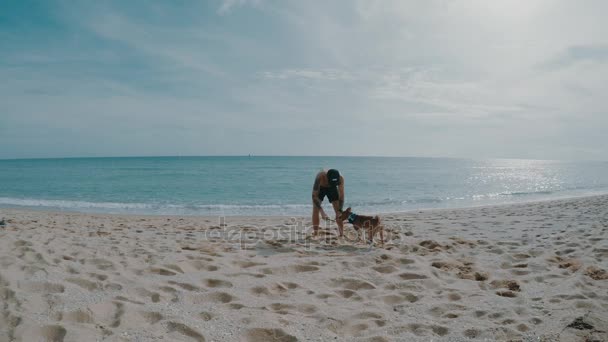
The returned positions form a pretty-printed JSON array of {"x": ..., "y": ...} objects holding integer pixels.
[{"x": 324, "y": 215}]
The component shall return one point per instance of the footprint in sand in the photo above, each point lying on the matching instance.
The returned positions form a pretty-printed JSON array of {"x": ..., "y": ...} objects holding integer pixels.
[
  {"x": 153, "y": 296},
  {"x": 433, "y": 245},
  {"x": 85, "y": 284},
  {"x": 349, "y": 294},
  {"x": 260, "y": 291},
  {"x": 247, "y": 264},
  {"x": 471, "y": 333},
  {"x": 412, "y": 276},
  {"x": 352, "y": 284},
  {"x": 78, "y": 316},
  {"x": 480, "y": 313},
  {"x": 100, "y": 277},
  {"x": 174, "y": 268},
  {"x": 185, "y": 286},
  {"x": 445, "y": 309},
  {"x": 392, "y": 299},
  {"x": 120, "y": 311},
  {"x": 303, "y": 268},
  {"x": 276, "y": 289},
  {"x": 385, "y": 269},
  {"x": 161, "y": 271},
  {"x": 201, "y": 264},
  {"x": 215, "y": 283},
  {"x": 423, "y": 330},
  {"x": 125, "y": 299},
  {"x": 101, "y": 264},
  {"x": 290, "y": 269},
  {"x": 400, "y": 298},
  {"x": 43, "y": 287},
  {"x": 406, "y": 261},
  {"x": 220, "y": 297},
  {"x": 368, "y": 315},
  {"x": 283, "y": 308},
  {"x": 284, "y": 286},
  {"x": 185, "y": 330},
  {"x": 267, "y": 335},
  {"x": 324, "y": 296},
  {"x": 355, "y": 329},
  {"x": 108, "y": 313},
  {"x": 151, "y": 317},
  {"x": 454, "y": 296},
  {"x": 50, "y": 333}
]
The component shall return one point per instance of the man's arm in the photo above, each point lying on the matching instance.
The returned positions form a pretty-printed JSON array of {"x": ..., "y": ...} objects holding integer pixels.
[
  {"x": 341, "y": 192},
  {"x": 315, "y": 192}
]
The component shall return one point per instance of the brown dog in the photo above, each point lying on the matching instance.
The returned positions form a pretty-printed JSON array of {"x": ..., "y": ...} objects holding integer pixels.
[{"x": 372, "y": 224}]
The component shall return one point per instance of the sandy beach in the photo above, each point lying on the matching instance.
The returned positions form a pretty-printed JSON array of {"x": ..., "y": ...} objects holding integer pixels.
[{"x": 522, "y": 272}]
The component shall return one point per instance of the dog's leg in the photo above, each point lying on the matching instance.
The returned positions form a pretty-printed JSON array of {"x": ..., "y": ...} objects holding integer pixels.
[
  {"x": 379, "y": 227},
  {"x": 358, "y": 231}
]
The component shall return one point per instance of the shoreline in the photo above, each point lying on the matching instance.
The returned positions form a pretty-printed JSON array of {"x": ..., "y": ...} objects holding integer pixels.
[
  {"x": 518, "y": 272},
  {"x": 392, "y": 213}
]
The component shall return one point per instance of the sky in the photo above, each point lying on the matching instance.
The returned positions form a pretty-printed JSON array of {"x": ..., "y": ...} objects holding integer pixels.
[{"x": 462, "y": 78}]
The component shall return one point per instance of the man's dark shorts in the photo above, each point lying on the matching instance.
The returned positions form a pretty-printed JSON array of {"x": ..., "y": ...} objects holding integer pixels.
[{"x": 331, "y": 193}]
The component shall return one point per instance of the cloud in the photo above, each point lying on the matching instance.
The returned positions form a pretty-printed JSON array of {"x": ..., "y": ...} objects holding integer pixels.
[
  {"x": 228, "y": 5},
  {"x": 434, "y": 95},
  {"x": 313, "y": 74},
  {"x": 468, "y": 78},
  {"x": 578, "y": 54}
]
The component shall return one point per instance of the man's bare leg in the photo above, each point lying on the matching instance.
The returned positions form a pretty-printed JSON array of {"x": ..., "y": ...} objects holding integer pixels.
[
  {"x": 336, "y": 205},
  {"x": 315, "y": 220}
]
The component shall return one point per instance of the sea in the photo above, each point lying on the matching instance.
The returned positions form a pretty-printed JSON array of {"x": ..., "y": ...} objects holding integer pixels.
[{"x": 265, "y": 185}]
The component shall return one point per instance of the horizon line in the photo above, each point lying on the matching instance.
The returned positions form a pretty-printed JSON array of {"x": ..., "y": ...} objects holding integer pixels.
[{"x": 295, "y": 156}]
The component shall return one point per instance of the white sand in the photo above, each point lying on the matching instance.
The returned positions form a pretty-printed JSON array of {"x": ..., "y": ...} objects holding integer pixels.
[{"x": 518, "y": 272}]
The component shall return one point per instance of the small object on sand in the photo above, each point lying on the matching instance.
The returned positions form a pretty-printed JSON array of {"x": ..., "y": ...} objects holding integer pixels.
[
  {"x": 509, "y": 294},
  {"x": 580, "y": 324},
  {"x": 596, "y": 273},
  {"x": 2, "y": 223}
]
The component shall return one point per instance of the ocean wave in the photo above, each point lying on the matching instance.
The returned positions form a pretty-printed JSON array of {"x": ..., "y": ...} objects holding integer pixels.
[
  {"x": 397, "y": 202},
  {"x": 511, "y": 194},
  {"x": 200, "y": 209},
  {"x": 236, "y": 209},
  {"x": 30, "y": 202},
  {"x": 424, "y": 200},
  {"x": 147, "y": 208},
  {"x": 527, "y": 193}
]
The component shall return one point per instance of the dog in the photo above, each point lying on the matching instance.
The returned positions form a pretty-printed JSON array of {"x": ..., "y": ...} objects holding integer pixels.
[{"x": 360, "y": 222}]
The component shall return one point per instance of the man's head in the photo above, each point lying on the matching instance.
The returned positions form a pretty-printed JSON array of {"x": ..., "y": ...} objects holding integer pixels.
[{"x": 333, "y": 177}]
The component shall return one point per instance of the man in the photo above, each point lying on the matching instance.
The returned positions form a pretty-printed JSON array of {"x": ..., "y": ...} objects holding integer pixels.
[{"x": 331, "y": 184}]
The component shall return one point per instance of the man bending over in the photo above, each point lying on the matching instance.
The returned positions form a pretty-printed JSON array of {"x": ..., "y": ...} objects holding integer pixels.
[{"x": 331, "y": 184}]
